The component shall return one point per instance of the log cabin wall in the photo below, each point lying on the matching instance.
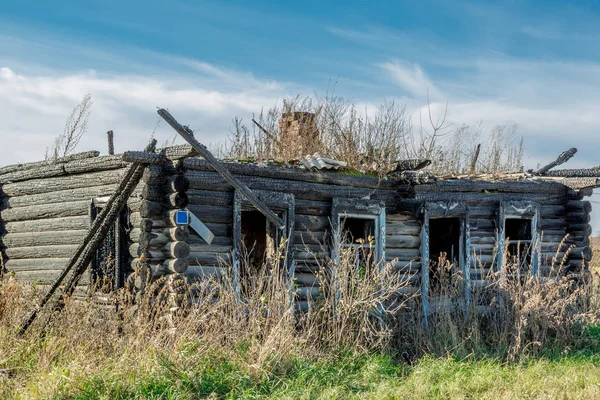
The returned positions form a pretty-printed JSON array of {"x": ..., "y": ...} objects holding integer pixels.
[
  {"x": 211, "y": 199},
  {"x": 560, "y": 211},
  {"x": 47, "y": 209}
]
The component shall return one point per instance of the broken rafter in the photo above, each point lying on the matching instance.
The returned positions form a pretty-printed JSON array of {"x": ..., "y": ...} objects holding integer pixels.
[
  {"x": 561, "y": 159},
  {"x": 187, "y": 134}
]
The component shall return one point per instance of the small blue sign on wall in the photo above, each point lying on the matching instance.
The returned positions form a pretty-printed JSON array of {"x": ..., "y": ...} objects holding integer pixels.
[{"x": 182, "y": 218}]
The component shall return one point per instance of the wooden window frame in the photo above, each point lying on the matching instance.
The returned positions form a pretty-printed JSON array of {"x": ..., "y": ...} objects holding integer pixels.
[
  {"x": 360, "y": 209},
  {"x": 519, "y": 210},
  {"x": 437, "y": 210}
]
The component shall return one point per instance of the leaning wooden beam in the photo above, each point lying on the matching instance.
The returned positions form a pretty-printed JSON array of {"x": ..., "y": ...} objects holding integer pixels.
[
  {"x": 561, "y": 159},
  {"x": 92, "y": 240},
  {"x": 187, "y": 134}
]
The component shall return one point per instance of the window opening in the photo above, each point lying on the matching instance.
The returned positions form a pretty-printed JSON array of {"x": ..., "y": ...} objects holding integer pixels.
[
  {"x": 444, "y": 252},
  {"x": 517, "y": 233},
  {"x": 360, "y": 235}
]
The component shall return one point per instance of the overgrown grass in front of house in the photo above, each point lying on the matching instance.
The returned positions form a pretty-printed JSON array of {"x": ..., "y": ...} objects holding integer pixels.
[{"x": 182, "y": 341}]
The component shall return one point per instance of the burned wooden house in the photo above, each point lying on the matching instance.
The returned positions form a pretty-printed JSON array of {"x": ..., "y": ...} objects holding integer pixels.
[{"x": 194, "y": 216}]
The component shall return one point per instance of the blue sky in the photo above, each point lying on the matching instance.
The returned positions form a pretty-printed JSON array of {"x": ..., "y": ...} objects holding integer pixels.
[{"x": 531, "y": 63}]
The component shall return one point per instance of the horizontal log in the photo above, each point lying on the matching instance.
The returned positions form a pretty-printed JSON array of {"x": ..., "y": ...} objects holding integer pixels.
[
  {"x": 210, "y": 248},
  {"x": 312, "y": 207},
  {"x": 465, "y": 185},
  {"x": 178, "y": 152},
  {"x": 405, "y": 228},
  {"x": 310, "y": 237},
  {"x": 61, "y": 160},
  {"x": 137, "y": 221},
  {"x": 302, "y": 190},
  {"x": 475, "y": 197},
  {"x": 61, "y": 196},
  {"x": 71, "y": 168},
  {"x": 547, "y": 223},
  {"x": 308, "y": 292},
  {"x": 194, "y": 239},
  {"x": 143, "y": 157},
  {"x": 55, "y": 210},
  {"x": 218, "y": 229},
  {"x": 578, "y": 205},
  {"x": 402, "y": 241},
  {"x": 177, "y": 250},
  {"x": 37, "y": 186},
  {"x": 212, "y": 214},
  {"x": 177, "y": 200},
  {"x": 205, "y": 271},
  {"x": 578, "y": 218},
  {"x": 209, "y": 258},
  {"x": 210, "y": 198},
  {"x": 35, "y": 264},
  {"x": 581, "y": 253},
  {"x": 294, "y": 174},
  {"x": 47, "y": 277},
  {"x": 312, "y": 223},
  {"x": 402, "y": 253},
  {"x": 30, "y": 239},
  {"x": 49, "y": 225},
  {"x": 56, "y": 251}
]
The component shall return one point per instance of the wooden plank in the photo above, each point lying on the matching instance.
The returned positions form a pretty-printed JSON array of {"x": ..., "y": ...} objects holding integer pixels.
[{"x": 61, "y": 196}]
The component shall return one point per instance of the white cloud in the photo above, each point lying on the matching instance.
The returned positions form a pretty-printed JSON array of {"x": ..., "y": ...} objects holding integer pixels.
[
  {"x": 34, "y": 107},
  {"x": 411, "y": 78}
]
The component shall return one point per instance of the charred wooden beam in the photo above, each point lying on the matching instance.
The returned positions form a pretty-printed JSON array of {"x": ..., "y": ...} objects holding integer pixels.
[
  {"x": 143, "y": 157},
  {"x": 22, "y": 167},
  {"x": 576, "y": 173},
  {"x": 561, "y": 159},
  {"x": 111, "y": 142},
  {"x": 69, "y": 182},
  {"x": 187, "y": 134},
  {"x": 61, "y": 196},
  {"x": 49, "y": 225}
]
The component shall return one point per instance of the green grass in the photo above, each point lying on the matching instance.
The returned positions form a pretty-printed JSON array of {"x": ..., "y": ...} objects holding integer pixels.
[{"x": 348, "y": 377}]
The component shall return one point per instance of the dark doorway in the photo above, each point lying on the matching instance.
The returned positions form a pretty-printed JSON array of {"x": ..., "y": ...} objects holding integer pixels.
[
  {"x": 517, "y": 232},
  {"x": 259, "y": 242},
  {"x": 444, "y": 252}
]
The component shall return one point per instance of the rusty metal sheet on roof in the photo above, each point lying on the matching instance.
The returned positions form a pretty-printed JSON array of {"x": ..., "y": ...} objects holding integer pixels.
[{"x": 316, "y": 161}]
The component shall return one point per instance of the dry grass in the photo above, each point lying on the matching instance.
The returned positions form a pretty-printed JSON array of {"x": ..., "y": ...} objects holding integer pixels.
[
  {"x": 194, "y": 340},
  {"x": 372, "y": 141}
]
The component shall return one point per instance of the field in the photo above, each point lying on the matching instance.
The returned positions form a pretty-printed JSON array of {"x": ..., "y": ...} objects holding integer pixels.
[{"x": 546, "y": 346}]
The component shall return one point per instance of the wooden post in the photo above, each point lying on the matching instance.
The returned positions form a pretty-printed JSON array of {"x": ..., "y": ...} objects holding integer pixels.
[
  {"x": 187, "y": 134},
  {"x": 111, "y": 143}
]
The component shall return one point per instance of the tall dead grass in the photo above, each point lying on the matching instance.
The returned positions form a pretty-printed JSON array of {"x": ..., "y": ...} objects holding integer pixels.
[
  {"x": 357, "y": 308},
  {"x": 372, "y": 141}
]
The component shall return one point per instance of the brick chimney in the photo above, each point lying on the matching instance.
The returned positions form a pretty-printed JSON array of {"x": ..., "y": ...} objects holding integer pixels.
[{"x": 298, "y": 135}]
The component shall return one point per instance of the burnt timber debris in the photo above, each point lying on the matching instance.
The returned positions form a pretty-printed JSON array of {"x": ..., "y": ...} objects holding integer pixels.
[{"x": 58, "y": 216}]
